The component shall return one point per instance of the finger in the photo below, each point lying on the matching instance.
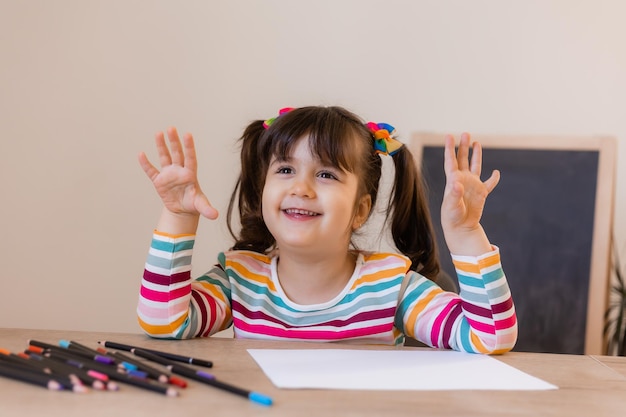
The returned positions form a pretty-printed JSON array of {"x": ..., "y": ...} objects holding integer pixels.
[
  {"x": 176, "y": 148},
  {"x": 190, "y": 152},
  {"x": 204, "y": 207},
  {"x": 449, "y": 157},
  {"x": 162, "y": 150},
  {"x": 463, "y": 152},
  {"x": 492, "y": 181},
  {"x": 150, "y": 170},
  {"x": 477, "y": 159}
]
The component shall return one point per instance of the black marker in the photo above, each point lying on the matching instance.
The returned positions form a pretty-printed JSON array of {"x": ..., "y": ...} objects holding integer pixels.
[
  {"x": 203, "y": 377},
  {"x": 167, "y": 355}
]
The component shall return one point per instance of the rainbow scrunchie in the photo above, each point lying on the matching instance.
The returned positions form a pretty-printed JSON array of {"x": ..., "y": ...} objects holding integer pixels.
[
  {"x": 268, "y": 122},
  {"x": 384, "y": 141}
]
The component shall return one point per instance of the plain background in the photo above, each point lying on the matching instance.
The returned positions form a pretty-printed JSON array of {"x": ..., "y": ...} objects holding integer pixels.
[{"x": 85, "y": 84}]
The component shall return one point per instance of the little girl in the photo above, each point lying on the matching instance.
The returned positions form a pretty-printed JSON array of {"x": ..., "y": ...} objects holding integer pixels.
[{"x": 309, "y": 180}]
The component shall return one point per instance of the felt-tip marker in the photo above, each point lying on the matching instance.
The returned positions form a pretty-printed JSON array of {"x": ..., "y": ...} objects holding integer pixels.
[
  {"x": 203, "y": 377},
  {"x": 168, "y": 355}
]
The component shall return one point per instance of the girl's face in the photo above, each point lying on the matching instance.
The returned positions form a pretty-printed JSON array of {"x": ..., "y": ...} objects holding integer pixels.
[{"x": 308, "y": 205}]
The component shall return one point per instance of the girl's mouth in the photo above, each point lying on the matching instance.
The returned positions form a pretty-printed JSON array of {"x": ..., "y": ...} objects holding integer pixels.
[{"x": 300, "y": 212}]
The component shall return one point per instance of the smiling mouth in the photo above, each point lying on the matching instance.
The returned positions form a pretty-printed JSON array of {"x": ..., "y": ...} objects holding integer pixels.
[{"x": 300, "y": 212}]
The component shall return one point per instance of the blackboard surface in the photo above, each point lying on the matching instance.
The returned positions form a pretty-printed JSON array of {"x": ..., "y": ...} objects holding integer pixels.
[{"x": 541, "y": 216}]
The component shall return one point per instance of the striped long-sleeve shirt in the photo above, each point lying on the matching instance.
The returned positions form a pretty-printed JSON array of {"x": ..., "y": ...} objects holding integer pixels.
[{"x": 382, "y": 303}]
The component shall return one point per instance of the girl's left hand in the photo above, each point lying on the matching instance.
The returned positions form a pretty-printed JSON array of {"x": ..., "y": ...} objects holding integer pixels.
[{"x": 464, "y": 198}]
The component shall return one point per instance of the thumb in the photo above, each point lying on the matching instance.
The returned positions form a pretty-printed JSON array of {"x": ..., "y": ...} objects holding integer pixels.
[
  {"x": 493, "y": 180},
  {"x": 204, "y": 207}
]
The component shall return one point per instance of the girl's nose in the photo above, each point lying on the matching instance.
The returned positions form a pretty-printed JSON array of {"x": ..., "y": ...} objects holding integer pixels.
[{"x": 302, "y": 187}]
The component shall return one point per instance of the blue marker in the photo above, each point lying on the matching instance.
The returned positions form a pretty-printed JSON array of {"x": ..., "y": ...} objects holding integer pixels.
[
  {"x": 129, "y": 366},
  {"x": 203, "y": 377},
  {"x": 252, "y": 396}
]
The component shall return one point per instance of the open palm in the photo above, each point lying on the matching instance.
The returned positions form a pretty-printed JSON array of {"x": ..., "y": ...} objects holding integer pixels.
[
  {"x": 177, "y": 181},
  {"x": 465, "y": 194}
]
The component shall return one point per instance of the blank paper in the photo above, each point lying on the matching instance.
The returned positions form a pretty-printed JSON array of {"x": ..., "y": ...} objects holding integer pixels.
[{"x": 391, "y": 370}]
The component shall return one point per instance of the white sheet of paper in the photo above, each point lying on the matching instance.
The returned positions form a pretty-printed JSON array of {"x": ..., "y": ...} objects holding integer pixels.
[{"x": 391, "y": 370}]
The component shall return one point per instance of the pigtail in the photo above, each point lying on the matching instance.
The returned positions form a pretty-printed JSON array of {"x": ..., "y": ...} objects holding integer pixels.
[
  {"x": 247, "y": 194},
  {"x": 411, "y": 226}
]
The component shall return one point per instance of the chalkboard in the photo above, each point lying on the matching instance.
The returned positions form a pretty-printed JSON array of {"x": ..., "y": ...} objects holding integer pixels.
[{"x": 551, "y": 216}]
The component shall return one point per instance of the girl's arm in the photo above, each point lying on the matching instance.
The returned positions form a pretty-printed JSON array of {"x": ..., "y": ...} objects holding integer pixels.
[
  {"x": 481, "y": 319},
  {"x": 171, "y": 305}
]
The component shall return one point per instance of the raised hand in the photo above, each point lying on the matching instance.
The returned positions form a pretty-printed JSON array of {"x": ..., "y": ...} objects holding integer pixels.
[
  {"x": 177, "y": 181},
  {"x": 464, "y": 198}
]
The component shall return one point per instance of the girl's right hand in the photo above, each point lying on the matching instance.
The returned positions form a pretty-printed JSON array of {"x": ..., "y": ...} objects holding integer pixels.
[{"x": 177, "y": 182}]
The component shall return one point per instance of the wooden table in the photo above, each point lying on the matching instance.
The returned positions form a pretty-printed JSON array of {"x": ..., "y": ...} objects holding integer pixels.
[{"x": 588, "y": 386}]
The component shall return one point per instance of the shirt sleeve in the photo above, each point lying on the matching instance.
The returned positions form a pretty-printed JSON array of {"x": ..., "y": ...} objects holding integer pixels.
[
  {"x": 480, "y": 319},
  {"x": 172, "y": 305}
]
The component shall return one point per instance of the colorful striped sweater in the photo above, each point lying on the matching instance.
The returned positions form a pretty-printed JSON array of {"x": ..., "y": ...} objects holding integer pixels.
[{"x": 383, "y": 301}]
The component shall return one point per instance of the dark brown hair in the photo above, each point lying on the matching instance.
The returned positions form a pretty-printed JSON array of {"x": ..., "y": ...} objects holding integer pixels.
[{"x": 340, "y": 139}]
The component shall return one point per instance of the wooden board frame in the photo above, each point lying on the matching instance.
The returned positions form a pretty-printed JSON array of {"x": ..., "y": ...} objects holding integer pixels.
[{"x": 600, "y": 274}]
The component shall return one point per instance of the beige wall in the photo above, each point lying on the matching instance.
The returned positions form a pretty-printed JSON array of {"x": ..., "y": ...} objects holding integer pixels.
[{"x": 85, "y": 84}]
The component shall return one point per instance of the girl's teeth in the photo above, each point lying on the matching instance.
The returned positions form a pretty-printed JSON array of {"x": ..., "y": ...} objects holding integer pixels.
[{"x": 303, "y": 212}]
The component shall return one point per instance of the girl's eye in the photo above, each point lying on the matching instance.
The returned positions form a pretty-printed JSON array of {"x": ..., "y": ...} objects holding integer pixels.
[
  {"x": 327, "y": 175},
  {"x": 284, "y": 170}
]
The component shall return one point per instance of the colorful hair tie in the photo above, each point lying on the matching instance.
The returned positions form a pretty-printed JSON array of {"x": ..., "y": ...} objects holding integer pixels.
[
  {"x": 268, "y": 122},
  {"x": 384, "y": 141}
]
